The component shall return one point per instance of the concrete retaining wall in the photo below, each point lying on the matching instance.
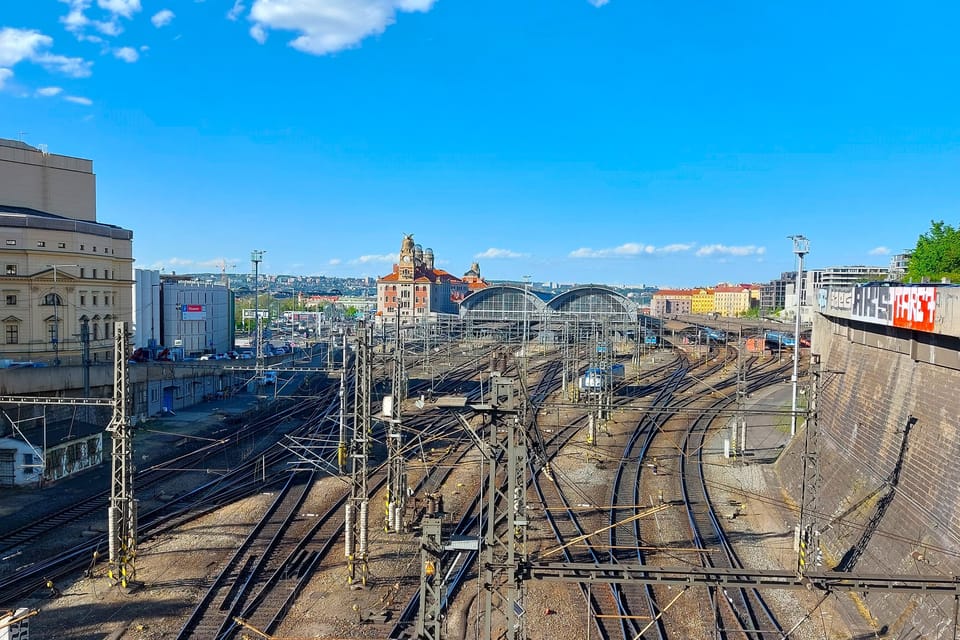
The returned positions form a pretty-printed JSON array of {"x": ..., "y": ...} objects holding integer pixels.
[{"x": 871, "y": 387}]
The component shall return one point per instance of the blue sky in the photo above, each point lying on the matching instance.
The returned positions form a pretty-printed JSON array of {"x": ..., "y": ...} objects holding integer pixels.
[{"x": 622, "y": 142}]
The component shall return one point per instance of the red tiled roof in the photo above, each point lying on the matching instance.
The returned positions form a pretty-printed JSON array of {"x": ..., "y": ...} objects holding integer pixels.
[{"x": 422, "y": 275}]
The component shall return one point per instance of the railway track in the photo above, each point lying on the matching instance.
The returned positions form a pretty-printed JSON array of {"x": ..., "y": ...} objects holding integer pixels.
[
  {"x": 266, "y": 584},
  {"x": 743, "y": 612},
  {"x": 233, "y": 485}
]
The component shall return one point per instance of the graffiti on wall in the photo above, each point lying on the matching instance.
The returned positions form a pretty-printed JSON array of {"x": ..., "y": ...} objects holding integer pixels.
[
  {"x": 835, "y": 299},
  {"x": 904, "y": 307},
  {"x": 914, "y": 307}
]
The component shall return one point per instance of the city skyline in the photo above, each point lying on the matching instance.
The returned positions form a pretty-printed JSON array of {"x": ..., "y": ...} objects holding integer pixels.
[{"x": 573, "y": 141}]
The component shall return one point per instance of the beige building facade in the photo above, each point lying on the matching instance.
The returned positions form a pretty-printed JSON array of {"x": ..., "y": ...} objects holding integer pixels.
[
  {"x": 731, "y": 302},
  {"x": 671, "y": 302},
  {"x": 65, "y": 279}
]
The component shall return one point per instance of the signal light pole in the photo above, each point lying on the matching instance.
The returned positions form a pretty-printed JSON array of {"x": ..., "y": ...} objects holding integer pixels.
[
  {"x": 801, "y": 246},
  {"x": 256, "y": 257}
]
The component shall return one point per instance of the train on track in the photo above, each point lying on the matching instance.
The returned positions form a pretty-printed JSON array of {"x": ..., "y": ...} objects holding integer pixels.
[
  {"x": 780, "y": 339},
  {"x": 595, "y": 377}
]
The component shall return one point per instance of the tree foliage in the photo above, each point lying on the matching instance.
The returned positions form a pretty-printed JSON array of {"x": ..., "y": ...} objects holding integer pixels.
[{"x": 937, "y": 254}]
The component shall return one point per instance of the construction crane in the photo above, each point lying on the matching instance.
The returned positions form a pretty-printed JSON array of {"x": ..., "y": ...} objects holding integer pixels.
[{"x": 224, "y": 280}]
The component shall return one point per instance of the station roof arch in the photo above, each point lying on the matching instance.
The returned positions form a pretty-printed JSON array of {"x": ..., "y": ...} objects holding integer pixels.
[
  {"x": 501, "y": 302},
  {"x": 595, "y": 301}
]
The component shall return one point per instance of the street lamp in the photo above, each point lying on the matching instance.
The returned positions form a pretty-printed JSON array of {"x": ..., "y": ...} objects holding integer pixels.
[
  {"x": 55, "y": 334},
  {"x": 256, "y": 257},
  {"x": 801, "y": 246}
]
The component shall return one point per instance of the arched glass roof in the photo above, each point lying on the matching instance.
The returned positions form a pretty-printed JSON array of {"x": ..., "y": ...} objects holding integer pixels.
[
  {"x": 501, "y": 302},
  {"x": 510, "y": 302}
]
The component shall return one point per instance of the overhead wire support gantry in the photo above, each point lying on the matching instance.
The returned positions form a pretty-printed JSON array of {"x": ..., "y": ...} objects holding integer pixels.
[
  {"x": 396, "y": 461},
  {"x": 122, "y": 512},
  {"x": 356, "y": 525}
]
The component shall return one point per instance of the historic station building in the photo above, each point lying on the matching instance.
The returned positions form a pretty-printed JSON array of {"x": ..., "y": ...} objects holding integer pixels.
[{"x": 416, "y": 288}]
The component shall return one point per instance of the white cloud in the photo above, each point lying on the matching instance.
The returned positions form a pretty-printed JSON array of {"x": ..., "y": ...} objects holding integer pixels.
[
  {"x": 76, "y": 18},
  {"x": 258, "y": 33},
  {"x": 326, "y": 26},
  {"x": 499, "y": 253},
  {"x": 677, "y": 247},
  {"x": 389, "y": 258},
  {"x": 5, "y": 74},
  {"x": 79, "y": 100},
  {"x": 195, "y": 265},
  {"x": 48, "y": 92},
  {"x": 17, "y": 45},
  {"x": 598, "y": 3},
  {"x": 162, "y": 18},
  {"x": 125, "y": 8},
  {"x": 235, "y": 11},
  {"x": 415, "y": 5},
  {"x": 628, "y": 249},
  {"x": 724, "y": 250},
  {"x": 20, "y": 44},
  {"x": 334, "y": 261},
  {"x": 879, "y": 251},
  {"x": 77, "y": 21},
  {"x": 73, "y": 67},
  {"x": 107, "y": 28},
  {"x": 127, "y": 54}
]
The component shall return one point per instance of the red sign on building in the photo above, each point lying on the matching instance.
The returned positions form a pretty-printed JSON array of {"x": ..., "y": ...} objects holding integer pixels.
[{"x": 193, "y": 312}]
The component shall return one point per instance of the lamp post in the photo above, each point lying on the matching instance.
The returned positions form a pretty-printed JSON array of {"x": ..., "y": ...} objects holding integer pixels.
[
  {"x": 55, "y": 334},
  {"x": 256, "y": 257},
  {"x": 801, "y": 246}
]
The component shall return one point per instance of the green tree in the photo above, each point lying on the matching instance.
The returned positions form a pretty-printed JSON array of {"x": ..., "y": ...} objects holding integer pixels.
[{"x": 937, "y": 254}]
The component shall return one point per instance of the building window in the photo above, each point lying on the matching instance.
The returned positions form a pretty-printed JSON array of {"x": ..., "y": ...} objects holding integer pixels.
[
  {"x": 81, "y": 247},
  {"x": 83, "y": 272},
  {"x": 94, "y": 277},
  {"x": 11, "y": 298},
  {"x": 106, "y": 300},
  {"x": 12, "y": 333},
  {"x": 61, "y": 245},
  {"x": 94, "y": 249},
  {"x": 94, "y": 300},
  {"x": 11, "y": 243},
  {"x": 106, "y": 250},
  {"x": 52, "y": 299},
  {"x": 83, "y": 299},
  {"x": 28, "y": 467},
  {"x": 11, "y": 269},
  {"x": 41, "y": 243}
]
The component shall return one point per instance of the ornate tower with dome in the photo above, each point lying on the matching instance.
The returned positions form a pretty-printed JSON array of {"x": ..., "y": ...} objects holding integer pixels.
[{"x": 416, "y": 288}]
